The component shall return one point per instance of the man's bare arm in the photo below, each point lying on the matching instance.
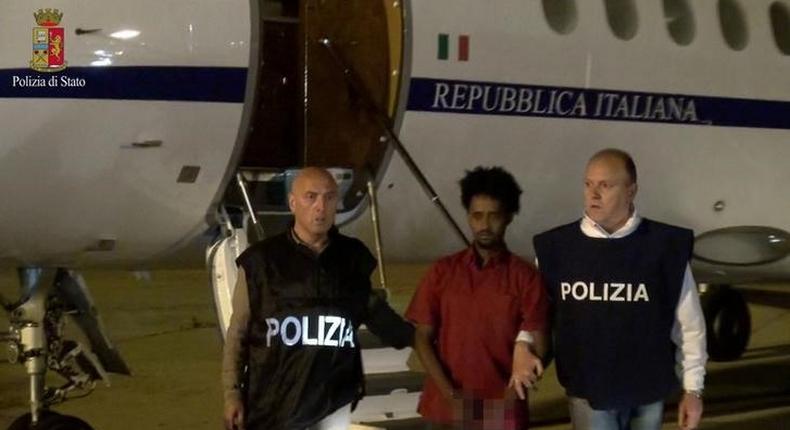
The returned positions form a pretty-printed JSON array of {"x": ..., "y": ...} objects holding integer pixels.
[
  {"x": 234, "y": 353},
  {"x": 424, "y": 345}
]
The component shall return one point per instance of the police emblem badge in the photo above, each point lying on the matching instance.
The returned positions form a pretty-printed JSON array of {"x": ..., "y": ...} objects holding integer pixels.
[{"x": 48, "y": 42}]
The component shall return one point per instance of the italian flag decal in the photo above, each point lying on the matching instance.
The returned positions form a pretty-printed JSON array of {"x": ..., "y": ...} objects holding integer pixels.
[{"x": 461, "y": 47}]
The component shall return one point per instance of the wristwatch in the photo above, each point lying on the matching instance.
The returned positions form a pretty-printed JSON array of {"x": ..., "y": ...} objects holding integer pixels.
[{"x": 695, "y": 393}]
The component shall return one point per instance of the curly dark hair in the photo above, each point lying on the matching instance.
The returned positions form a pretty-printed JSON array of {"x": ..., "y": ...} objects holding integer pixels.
[{"x": 494, "y": 182}]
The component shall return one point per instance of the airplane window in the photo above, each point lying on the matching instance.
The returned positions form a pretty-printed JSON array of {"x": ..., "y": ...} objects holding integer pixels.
[
  {"x": 680, "y": 21},
  {"x": 733, "y": 24},
  {"x": 622, "y": 18},
  {"x": 780, "y": 21},
  {"x": 561, "y": 15}
]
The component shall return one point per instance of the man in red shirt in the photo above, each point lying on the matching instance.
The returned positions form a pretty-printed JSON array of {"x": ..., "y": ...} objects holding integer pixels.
[{"x": 481, "y": 317}]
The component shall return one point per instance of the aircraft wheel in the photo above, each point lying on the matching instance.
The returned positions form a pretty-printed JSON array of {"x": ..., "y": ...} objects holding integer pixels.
[
  {"x": 50, "y": 421},
  {"x": 728, "y": 322}
]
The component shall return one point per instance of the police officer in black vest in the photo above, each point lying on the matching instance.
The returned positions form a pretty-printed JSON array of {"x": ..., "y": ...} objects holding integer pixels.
[
  {"x": 626, "y": 307},
  {"x": 300, "y": 299}
]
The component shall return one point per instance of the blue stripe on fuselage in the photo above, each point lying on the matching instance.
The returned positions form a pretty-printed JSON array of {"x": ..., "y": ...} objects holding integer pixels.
[
  {"x": 505, "y": 99},
  {"x": 166, "y": 83},
  {"x": 227, "y": 84}
]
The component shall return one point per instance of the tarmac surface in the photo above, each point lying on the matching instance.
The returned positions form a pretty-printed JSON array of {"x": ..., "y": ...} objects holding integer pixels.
[{"x": 164, "y": 325}]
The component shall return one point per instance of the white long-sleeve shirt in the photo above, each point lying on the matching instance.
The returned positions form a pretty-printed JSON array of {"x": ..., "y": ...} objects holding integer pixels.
[{"x": 688, "y": 331}]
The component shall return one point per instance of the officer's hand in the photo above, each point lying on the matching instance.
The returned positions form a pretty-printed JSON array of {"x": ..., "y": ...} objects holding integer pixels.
[
  {"x": 689, "y": 412},
  {"x": 527, "y": 369},
  {"x": 234, "y": 415}
]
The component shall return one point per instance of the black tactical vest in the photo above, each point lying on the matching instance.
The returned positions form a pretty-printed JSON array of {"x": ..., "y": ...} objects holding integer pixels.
[
  {"x": 615, "y": 303},
  {"x": 304, "y": 359}
]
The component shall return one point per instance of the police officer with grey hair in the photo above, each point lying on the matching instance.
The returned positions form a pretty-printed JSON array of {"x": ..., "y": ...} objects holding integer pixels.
[{"x": 626, "y": 306}]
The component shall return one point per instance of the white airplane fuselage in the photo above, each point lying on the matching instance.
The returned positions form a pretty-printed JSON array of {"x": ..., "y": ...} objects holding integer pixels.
[
  {"x": 706, "y": 124},
  {"x": 92, "y": 174}
]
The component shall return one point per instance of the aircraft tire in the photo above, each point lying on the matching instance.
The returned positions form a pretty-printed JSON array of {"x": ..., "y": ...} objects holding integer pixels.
[
  {"x": 728, "y": 322},
  {"x": 50, "y": 421}
]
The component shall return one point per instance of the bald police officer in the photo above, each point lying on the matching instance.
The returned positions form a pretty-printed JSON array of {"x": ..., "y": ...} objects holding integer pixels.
[{"x": 300, "y": 298}]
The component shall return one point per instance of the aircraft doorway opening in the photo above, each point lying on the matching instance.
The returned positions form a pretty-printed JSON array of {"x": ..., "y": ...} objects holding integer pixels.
[{"x": 304, "y": 112}]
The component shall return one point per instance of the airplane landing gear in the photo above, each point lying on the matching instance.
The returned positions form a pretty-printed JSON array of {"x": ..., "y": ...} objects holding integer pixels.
[
  {"x": 35, "y": 340},
  {"x": 728, "y": 322}
]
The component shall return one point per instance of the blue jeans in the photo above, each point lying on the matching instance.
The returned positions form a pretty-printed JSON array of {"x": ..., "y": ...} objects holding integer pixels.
[{"x": 644, "y": 417}]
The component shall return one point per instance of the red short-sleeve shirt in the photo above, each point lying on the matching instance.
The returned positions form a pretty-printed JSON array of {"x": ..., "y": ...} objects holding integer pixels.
[{"x": 477, "y": 313}]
